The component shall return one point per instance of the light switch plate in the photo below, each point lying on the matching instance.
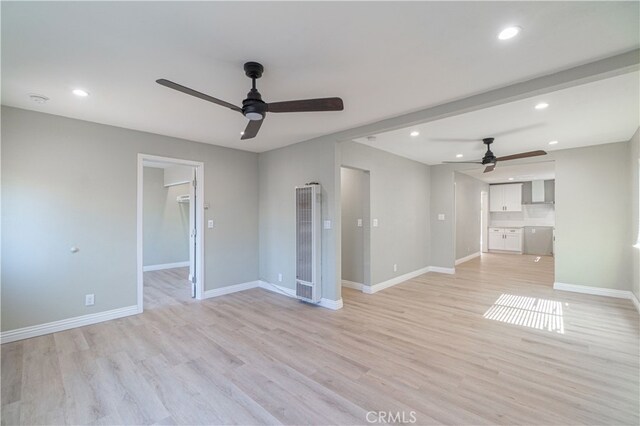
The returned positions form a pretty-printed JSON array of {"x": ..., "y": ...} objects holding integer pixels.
[
  {"x": 210, "y": 224},
  {"x": 440, "y": 216},
  {"x": 327, "y": 224},
  {"x": 359, "y": 223},
  {"x": 375, "y": 223}
]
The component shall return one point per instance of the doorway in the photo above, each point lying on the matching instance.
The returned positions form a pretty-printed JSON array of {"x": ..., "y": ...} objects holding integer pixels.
[
  {"x": 356, "y": 233},
  {"x": 484, "y": 220},
  {"x": 169, "y": 226}
]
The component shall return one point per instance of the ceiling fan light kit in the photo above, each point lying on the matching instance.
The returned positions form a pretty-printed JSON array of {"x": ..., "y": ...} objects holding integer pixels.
[{"x": 253, "y": 107}]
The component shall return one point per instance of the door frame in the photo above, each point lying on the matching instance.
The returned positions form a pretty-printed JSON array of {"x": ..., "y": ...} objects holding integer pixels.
[
  {"x": 199, "y": 221},
  {"x": 484, "y": 222}
]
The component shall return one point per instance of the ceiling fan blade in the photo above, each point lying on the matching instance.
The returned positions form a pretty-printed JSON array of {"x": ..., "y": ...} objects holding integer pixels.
[
  {"x": 252, "y": 129},
  {"x": 522, "y": 155},
  {"x": 307, "y": 105},
  {"x": 489, "y": 168},
  {"x": 188, "y": 91},
  {"x": 462, "y": 162}
]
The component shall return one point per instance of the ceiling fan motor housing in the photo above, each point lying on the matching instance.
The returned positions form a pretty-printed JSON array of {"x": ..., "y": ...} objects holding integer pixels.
[
  {"x": 254, "y": 108},
  {"x": 489, "y": 157}
]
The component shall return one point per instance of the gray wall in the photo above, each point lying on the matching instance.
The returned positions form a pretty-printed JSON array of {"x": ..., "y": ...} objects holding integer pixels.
[
  {"x": 399, "y": 194},
  {"x": 68, "y": 182},
  {"x": 593, "y": 213},
  {"x": 354, "y": 196},
  {"x": 165, "y": 221},
  {"x": 280, "y": 171},
  {"x": 634, "y": 161},
  {"x": 442, "y": 202},
  {"x": 467, "y": 214}
]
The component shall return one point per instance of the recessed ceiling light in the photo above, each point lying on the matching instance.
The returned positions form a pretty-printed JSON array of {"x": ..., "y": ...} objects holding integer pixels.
[
  {"x": 415, "y": 133},
  {"x": 553, "y": 142},
  {"x": 510, "y": 178},
  {"x": 81, "y": 93},
  {"x": 40, "y": 99},
  {"x": 459, "y": 155},
  {"x": 542, "y": 105},
  {"x": 508, "y": 33}
]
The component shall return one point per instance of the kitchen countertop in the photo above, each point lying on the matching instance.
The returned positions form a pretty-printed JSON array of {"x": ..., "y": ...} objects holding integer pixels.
[{"x": 521, "y": 227}]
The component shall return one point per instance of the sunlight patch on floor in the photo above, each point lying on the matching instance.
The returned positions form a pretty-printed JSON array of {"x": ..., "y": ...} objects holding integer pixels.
[{"x": 541, "y": 314}]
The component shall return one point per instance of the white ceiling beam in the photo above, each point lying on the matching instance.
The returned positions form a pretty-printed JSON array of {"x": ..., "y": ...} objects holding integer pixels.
[{"x": 582, "y": 74}]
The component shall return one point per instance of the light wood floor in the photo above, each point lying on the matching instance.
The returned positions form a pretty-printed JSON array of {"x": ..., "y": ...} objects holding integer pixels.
[{"x": 493, "y": 344}]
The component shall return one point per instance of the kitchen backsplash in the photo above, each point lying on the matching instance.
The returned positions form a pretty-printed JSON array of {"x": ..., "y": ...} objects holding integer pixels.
[{"x": 531, "y": 215}]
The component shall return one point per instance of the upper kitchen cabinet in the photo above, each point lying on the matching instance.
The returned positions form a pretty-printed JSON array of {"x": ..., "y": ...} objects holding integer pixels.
[{"x": 505, "y": 198}]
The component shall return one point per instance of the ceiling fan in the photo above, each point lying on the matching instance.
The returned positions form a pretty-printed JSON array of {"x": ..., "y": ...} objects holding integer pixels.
[
  {"x": 254, "y": 108},
  {"x": 490, "y": 160}
]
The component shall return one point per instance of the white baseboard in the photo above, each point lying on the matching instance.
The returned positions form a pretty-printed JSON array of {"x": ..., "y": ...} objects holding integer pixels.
[
  {"x": 230, "y": 289},
  {"x": 352, "y": 284},
  {"x": 285, "y": 291},
  {"x": 467, "y": 258},
  {"x": 442, "y": 270},
  {"x": 331, "y": 304},
  {"x": 599, "y": 291},
  {"x": 394, "y": 281},
  {"x": 66, "y": 324},
  {"x": 635, "y": 301},
  {"x": 165, "y": 266}
]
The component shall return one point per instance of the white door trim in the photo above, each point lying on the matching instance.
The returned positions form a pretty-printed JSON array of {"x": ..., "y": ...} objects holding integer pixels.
[
  {"x": 484, "y": 225},
  {"x": 199, "y": 166}
]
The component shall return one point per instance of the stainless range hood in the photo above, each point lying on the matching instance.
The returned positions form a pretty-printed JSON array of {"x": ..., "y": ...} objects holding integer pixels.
[{"x": 538, "y": 192}]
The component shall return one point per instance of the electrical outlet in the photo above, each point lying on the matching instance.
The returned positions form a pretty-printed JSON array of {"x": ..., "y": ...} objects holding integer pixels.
[
  {"x": 89, "y": 300},
  {"x": 210, "y": 224},
  {"x": 359, "y": 223},
  {"x": 279, "y": 278},
  {"x": 395, "y": 267},
  {"x": 375, "y": 223}
]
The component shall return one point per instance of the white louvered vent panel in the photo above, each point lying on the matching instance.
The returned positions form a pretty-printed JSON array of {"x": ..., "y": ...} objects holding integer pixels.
[{"x": 308, "y": 242}]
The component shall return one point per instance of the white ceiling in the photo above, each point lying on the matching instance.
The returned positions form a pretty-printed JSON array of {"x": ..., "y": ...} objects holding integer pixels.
[
  {"x": 516, "y": 173},
  {"x": 383, "y": 58},
  {"x": 600, "y": 112}
]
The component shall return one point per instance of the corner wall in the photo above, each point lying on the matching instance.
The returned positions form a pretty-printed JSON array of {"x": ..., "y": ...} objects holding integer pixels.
[
  {"x": 68, "y": 182},
  {"x": 399, "y": 197},
  {"x": 593, "y": 213},
  {"x": 279, "y": 172},
  {"x": 634, "y": 163}
]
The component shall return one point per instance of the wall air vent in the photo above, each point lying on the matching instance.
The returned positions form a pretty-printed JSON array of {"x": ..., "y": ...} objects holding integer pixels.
[{"x": 308, "y": 242}]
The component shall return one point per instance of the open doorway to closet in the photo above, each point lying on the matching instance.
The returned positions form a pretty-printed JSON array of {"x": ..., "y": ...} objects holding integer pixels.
[
  {"x": 356, "y": 232},
  {"x": 169, "y": 231}
]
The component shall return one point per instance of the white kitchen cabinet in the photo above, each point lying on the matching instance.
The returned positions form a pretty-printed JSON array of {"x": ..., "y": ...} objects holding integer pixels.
[
  {"x": 505, "y": 239},
  {"x": 505, "y": 198},
  {"x": 496, "y": 239}
]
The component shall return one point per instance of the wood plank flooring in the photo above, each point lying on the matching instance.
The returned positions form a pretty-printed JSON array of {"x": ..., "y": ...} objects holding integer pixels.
[{"x": 493, "y": 344}]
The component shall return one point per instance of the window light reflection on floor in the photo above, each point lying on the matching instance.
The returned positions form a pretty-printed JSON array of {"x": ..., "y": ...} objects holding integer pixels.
[{"x": 541, "y": 314}]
